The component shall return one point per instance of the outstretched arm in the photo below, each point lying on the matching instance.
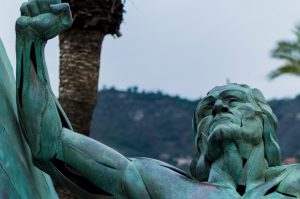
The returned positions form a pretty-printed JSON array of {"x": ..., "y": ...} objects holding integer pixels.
[{"x": 44, "y": 124}]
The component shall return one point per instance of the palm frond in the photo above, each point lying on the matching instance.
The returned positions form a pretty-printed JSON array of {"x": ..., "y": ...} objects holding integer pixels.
[
  {"x": 296, "y": 31},
  {"x": 286, "y": 69},
  {"x": 287, "y": 50},
  {"x": 290, "y": 52}
]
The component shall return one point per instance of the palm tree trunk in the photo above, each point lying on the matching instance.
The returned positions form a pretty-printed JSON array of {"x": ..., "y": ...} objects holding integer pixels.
[{"x": 79, "y": 72}]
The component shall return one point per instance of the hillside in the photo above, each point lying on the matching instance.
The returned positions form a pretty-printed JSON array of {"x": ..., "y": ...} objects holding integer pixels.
[
  {"x": 288, "y": 131},
  {"x": 159, "y": 126}
]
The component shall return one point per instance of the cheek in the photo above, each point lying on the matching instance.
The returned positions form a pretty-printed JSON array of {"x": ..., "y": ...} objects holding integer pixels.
[
  {"x": 251, "y": 124},
  {"x": 246, "y": 111},
  {"x": 252, "y": 129}
]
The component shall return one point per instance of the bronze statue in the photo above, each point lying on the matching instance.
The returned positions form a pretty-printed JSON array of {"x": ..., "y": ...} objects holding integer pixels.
[
  {"x": 237, "y": 153},
  {"x": 19, "y": 178}
]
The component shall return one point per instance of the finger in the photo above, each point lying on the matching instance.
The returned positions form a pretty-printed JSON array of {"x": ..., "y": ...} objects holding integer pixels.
[
  {"x": 63, "y": 9},
  {"x": 50, "y": 1},
  {"x": 44, "y": 5},
  {"x": 33, "y": 8},
  {"x": 60, "y": 8},
  {"x": 24, "y": 10},
  {"x": 22, "y": 23}
]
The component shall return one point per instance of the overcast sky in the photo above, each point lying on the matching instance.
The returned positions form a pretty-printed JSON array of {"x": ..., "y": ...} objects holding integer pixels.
[{"x": 187, "y": 47}]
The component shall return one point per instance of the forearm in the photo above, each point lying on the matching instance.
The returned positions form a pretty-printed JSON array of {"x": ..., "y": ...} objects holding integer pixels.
[
  {"x": 37, "y": 110},
  {"x": 30, "y": 59},
  {"x": 40, "y": 114}
]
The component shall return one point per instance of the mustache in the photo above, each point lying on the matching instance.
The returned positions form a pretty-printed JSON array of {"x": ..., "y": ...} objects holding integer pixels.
[
  {"x": 224, "y": 117},
  {"x": 228, "y": 126}
]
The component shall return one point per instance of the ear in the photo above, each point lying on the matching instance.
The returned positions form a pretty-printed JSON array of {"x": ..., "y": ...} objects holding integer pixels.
[{"x": 272, "y": 149}]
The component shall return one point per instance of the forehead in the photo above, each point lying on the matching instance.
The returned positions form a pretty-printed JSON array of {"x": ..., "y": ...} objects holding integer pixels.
[{"x": 230, "y": 89}]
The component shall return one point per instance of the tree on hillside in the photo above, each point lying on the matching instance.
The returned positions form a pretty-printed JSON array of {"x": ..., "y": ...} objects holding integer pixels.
[
  {"x": 289, "y": 51},
  {"x": 80, "y": 49}
]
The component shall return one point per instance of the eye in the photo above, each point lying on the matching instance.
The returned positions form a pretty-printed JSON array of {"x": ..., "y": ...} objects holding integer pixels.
[
  {"x": 207, "y": 110},
  {"x": 233, "y": 100}
]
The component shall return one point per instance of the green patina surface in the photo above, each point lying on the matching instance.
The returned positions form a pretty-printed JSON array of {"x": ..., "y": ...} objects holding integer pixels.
[
  {"x": 237, "y": 153},
  {"x": 19, "y": 178}
]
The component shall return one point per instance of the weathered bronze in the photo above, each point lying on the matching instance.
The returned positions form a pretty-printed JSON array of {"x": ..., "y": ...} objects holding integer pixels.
[
  {"x": 237, "y": 153},
  {"x": 19, "y": 178}
]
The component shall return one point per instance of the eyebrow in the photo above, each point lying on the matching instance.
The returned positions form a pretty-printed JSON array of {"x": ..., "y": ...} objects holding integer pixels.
[
  {"x": 206, "y": 99},
  {"x": 236, "y": 93}
]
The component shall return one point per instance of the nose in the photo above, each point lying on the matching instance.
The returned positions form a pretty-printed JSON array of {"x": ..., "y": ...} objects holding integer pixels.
[{"x": 219, "y": 107}]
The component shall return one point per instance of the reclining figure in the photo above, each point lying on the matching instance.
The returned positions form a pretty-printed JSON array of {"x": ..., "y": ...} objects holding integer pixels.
[{"x": 237, "y": 153}]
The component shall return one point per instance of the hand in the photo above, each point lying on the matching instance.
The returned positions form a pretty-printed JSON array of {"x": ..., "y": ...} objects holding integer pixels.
[{"x": 44, "y": 18}]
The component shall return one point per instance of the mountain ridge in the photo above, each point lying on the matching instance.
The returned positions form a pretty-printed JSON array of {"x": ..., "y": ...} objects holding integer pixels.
[{"x": 157, "y": 125}]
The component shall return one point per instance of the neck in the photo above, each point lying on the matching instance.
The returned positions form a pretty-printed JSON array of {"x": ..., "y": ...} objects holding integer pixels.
[{"x": 239, "y": 171}]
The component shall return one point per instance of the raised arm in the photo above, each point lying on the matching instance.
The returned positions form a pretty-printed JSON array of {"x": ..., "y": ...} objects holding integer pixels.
[{"x": 56, "y": 149}]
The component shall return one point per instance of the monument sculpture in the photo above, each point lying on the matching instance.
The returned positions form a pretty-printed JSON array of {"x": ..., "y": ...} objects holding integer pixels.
[{"x": 237, "y": 153}]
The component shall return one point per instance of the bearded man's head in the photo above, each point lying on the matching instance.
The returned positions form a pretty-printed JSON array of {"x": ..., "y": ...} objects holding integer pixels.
[{"x": 232, "y": 114}]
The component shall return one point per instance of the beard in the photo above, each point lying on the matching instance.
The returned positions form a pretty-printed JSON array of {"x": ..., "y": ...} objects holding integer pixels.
[{"x": 227, "y": 131}]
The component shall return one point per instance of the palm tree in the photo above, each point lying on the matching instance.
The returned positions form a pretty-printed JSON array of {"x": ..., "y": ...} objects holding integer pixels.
[
  {"x": 289, "y": 51},
  {"x": 80, "y": 49}
]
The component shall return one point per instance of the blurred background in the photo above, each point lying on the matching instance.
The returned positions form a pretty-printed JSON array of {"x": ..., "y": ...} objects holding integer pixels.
[{"x": 169, "y": 55}]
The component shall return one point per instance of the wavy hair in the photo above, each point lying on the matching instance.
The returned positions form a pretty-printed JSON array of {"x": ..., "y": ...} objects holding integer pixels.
[{"x": 200, "y": 166}]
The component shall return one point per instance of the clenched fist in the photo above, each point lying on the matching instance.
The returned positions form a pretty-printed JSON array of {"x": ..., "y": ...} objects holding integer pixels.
[{"x": 44, "y": 18}]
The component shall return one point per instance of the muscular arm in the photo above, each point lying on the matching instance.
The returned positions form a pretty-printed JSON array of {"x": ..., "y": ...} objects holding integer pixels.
[{"x": 44, "y": 123}]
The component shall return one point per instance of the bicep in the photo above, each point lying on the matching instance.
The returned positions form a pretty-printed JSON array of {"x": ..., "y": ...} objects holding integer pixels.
[{"x": 103, "y": 166}]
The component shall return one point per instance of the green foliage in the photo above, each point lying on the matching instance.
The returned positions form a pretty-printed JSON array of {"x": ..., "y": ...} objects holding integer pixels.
[
  {"x": 289, "y": 51},
  {"x": 144, "y": 124}
]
